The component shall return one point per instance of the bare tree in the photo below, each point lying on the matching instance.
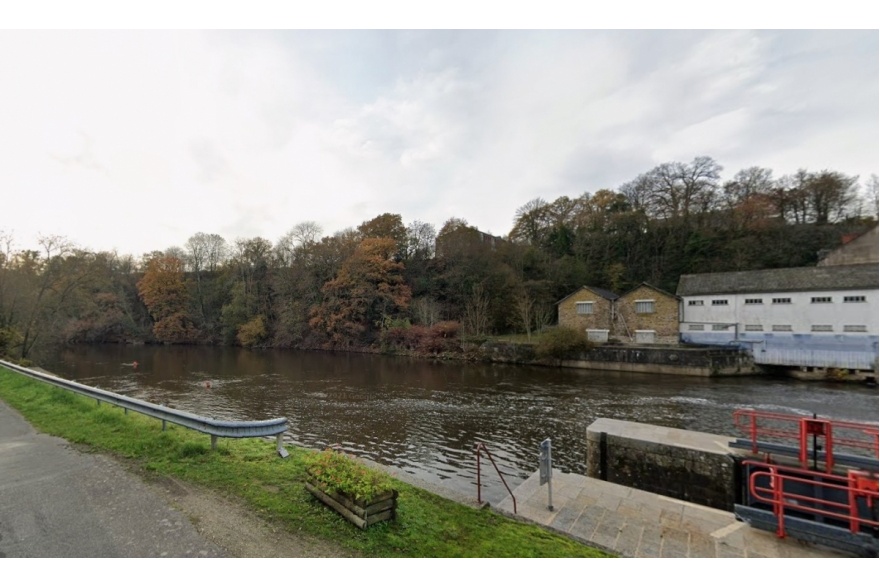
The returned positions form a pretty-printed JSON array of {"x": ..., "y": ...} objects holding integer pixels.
[
  {"x": 476, "y": 311},
  {"x": 676, "y": 190},
  {"x": 872, "y": 194},
  {"x": 525, "y": 309},
  {"x": 747, "y": 183},
  {"x": 306, "y": 233},
  {"x": 420, "y": 240}
]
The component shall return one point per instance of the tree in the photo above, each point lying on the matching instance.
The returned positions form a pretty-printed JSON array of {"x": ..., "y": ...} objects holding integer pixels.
[
  {"x": 420, "y": 240},
  {"x": 872, "y": 194},
  {"x": 816, "y": 198},
  {"x": 164, "y": 292},
  {"x": 250, "y": 270},
  {"x": 367, "y": 293},
  {"x": 676, "y": 190},
  {"x": 296, "y": 241},
  {"x": 204, "y": 252},
  {"x": 387, "y": 226}
]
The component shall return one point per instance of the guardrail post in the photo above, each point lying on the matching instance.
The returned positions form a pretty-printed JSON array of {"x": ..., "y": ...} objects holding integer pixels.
[
  {"x": 279, "y": 446},
  {"x": 213, "y": 442},
  {"x": 164, "y": 423}
]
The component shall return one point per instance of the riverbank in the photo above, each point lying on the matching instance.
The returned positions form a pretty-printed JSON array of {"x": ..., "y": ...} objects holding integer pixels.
[{"x": 249, "y": 472}]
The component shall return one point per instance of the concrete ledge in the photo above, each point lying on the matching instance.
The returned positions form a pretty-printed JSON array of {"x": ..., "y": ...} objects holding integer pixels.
[{"x": 692, "y": 466}]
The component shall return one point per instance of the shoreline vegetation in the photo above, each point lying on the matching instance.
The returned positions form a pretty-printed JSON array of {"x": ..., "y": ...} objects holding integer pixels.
[{"x": 427, "y": 525}]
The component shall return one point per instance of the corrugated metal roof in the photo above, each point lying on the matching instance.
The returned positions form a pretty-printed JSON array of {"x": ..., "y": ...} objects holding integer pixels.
[{"x": 840, "y": 277}]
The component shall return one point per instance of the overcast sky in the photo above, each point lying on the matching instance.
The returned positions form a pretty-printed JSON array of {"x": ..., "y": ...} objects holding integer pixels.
[{"x": 136, "y": 140}]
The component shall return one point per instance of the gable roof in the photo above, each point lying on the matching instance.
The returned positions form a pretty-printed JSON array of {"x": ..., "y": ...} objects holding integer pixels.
[
  {"x": 603, "y": 293},
  {"x": 861, "y": 249},
  {"x": 789, "y": 279},
  {"x": 646, "y": 284}
]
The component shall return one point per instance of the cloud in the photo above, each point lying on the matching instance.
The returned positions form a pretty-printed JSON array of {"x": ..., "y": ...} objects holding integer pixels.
[{"x": 137, "y": 140}]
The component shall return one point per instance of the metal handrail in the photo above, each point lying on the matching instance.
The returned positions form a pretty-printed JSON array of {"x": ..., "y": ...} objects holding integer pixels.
[
  {"x": 799, "y": 430},
  {"x": 857, "y": 485},
  {"x": 477, "y": 448},
  {"x": 215, "y": 428}
]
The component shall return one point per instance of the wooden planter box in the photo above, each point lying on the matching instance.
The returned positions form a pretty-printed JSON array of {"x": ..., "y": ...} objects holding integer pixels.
[{"x": 360, "y": 513}]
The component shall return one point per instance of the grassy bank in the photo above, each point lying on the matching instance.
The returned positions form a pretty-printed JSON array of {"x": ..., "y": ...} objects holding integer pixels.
[{"x": 427, "y": 525}]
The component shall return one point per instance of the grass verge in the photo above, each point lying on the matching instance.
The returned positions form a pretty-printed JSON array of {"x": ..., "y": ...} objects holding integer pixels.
[{"x": 427, "y": 525}]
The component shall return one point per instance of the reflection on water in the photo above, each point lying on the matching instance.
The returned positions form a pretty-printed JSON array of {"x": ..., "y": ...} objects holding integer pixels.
[{"x": 424, "y": 417}]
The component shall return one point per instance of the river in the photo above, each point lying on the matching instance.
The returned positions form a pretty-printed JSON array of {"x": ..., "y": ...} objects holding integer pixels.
[{"x": 424, "y": 417}]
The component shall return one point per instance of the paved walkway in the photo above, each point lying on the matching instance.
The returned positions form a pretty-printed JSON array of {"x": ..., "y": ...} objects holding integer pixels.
[
  {"x": 58, "y": 502},
  {"x": 635, "y": 523}
]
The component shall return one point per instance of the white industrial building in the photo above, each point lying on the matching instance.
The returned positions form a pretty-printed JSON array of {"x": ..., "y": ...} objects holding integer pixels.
[{"x": 809, "y": 317}]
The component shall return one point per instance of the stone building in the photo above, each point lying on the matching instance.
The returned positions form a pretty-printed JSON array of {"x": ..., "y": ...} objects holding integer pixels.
[
  {"x": 859, "y": 250},
  {"x": 590, "y": 310},
  {"x": 646, "y": 315}
]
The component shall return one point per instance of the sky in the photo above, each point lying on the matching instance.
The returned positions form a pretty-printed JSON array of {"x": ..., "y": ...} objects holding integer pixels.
[{"x": 134, "y": 135}]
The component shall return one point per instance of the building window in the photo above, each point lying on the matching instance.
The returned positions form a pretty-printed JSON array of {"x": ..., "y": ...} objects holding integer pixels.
[
  {"x": 849, "y": 299},
  {"x": 584, "y": 307},
  {"x": 719, "y": 302},
  {"x": 695, "y": 327},
  {"x": 781, "y": 328},
  {"x": 644, "y": 306},
  {"x": 719, "y": 327},
  {"x": 781, "y": 300},
  {"x": 695, "y": 302},
  {"x": 855, "y": 328},
  {"x": 821, "y": 328},
  {"x": 821, "y": 300},
  {"x": 754, "y": 328},
  {"x": 754, "y": 301}
]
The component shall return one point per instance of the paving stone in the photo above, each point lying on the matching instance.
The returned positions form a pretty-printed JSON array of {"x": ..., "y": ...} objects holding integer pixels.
[
  {"x": 629, "y": 538},
  {"x": 565, "y": 518},
  {"x": 652, "y": 540},
  {"x": 587, "y": 522},
  {"x": 608, "y": 530},
  {"x": 641, "y": 524},
  {"x": 700, "y": 546},
  {"x": 727, "y": 551},
  {"x": 675, "y": 543}
]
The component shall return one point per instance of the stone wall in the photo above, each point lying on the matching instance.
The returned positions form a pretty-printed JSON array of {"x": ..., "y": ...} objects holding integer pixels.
[
  {"x": 704, "y": 362},
  {"x": 599, "y": 319},
  {"x": 664, "y": 319},
  {"x": 861, "y": 250},
  {"x": 691, "y": 466},
  {"x": 701, "y": 362}
]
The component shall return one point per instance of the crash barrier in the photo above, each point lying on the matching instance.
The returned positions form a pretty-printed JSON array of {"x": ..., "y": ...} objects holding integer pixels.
[{"x": 215, "y": 428}]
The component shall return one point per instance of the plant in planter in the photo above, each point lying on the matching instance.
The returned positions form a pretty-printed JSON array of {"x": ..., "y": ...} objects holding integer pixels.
[{"x": 362, "y": 495}]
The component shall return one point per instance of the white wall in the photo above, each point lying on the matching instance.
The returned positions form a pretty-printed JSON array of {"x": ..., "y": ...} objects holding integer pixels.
[{"x": 801, "y": 314}]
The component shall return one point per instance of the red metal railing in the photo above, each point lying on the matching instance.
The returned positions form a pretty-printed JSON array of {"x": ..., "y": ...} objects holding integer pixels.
[
  {"x": 800, "y": 430},
  {"x": 777, "y": 491},
  {"x": 477, "y": 449}
]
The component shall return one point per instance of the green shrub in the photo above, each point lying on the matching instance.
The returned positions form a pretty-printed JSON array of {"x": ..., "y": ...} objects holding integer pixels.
[
  {"x": 561, "y": 343},
  {"x": 336, "y": 472}
]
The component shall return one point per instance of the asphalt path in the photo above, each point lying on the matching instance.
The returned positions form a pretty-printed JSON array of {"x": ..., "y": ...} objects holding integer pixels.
[{"x": 59, "y": 502}]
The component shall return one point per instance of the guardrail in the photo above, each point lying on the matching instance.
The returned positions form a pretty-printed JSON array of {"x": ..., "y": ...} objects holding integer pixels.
[{"x": 216, "y": 428}]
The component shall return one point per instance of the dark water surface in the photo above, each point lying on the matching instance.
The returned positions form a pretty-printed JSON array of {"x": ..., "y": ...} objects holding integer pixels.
[{"x": 424, "y": 417}]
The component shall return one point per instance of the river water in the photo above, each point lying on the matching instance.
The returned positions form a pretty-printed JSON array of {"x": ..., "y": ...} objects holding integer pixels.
[{"x": 424, "y": 417}]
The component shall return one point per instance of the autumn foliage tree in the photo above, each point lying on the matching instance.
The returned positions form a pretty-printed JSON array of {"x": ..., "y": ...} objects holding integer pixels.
[
  {"x": 164, "y": 293},
  {"x": 367, "y": 293}
]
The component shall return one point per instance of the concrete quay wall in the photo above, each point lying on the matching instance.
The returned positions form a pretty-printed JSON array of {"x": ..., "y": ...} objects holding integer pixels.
[
  {"x": 691, "y": 466},
  {"x": 670, "y": 360}
]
